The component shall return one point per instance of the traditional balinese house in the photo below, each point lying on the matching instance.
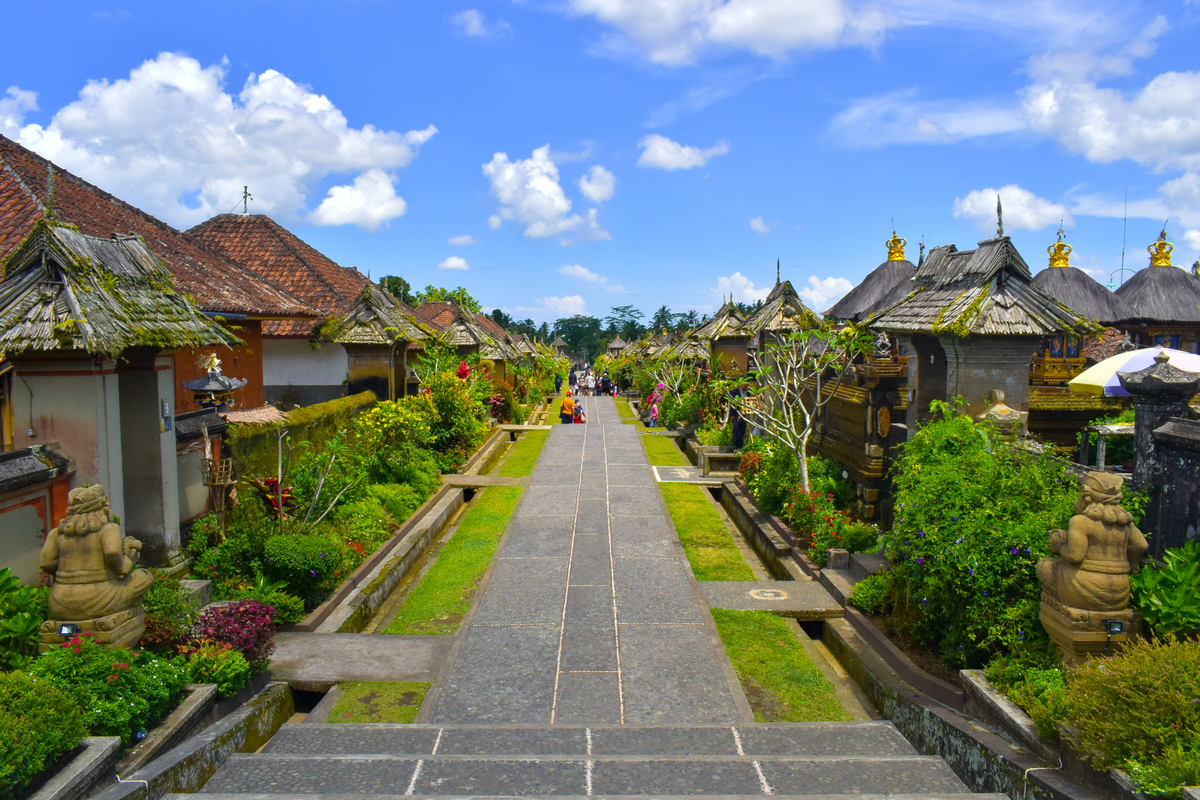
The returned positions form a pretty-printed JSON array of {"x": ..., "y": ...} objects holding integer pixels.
[
  {"x": 90, "y": 325},
  {"x": 1165, "y": 302},
  {"x": 616, "y": 347},
  {"x": 32, "y": 189},
  {"x": 726, "y": 341},
  {"x": 376, "y": 333},
  {"x": 461, "y": 329},
  {"x": 559, "y": 345},
  {"x": 782, "y": 313},
  {"x": 972, "y": 324},
  {"x": 297, "y": 368},
  {"x": 878, "y": 287}
]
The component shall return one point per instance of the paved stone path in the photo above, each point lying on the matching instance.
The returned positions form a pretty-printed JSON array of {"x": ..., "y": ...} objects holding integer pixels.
[{"x": 591, "y": 614}]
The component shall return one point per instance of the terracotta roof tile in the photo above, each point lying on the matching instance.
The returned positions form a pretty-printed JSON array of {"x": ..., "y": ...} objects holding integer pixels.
[
  {"x": 260, "y": 244},
  {"x": 216, "y": 284},
  {"x": 437, "y": 314}
]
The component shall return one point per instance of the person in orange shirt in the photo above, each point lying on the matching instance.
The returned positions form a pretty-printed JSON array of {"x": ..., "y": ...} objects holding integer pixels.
[{"x": 567, "y": 414}]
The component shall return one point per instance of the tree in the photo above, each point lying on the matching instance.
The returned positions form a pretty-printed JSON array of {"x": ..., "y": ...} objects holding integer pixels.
[
  {"x": 582, "y": 335},
  {"x": 798, "y": 375},
  {"x": 500, "y": 318},
  {"x": 663, "y": 319},
  {"x": 625, "y": 321},
  {"x": 459, "y": 296},
  {"x": 543, "y": 331},
  {"x": 399, "y": 288},
  {"x": 688, "y": 320},
  {"x": 746, "y": 309}
]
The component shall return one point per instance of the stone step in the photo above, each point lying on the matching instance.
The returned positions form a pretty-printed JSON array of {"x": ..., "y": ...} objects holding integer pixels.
[
  {"x": 804, "y": 739},
  {"x": 277, "y": 774},
  {"x": 888, "y": 796}
]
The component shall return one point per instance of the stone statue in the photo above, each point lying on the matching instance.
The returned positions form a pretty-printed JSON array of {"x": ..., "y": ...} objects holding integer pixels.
[
  {"x": 97, "y": 585},
  {"x": 883, "y": 346},
  {"x": 1085, "y": 588},
  {"x": 1001, "y": 415}
]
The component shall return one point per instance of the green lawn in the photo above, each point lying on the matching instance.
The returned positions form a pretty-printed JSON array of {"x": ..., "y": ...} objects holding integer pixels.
[
  {"x": 709, "y": 547},
  {"x": 444, "y": 595},
  {"x": 662, "y": 452},
  {"x": 378, "y": 701},
  {"x": 524, "y": 454},
  {"x": 627, "y": 415},
  {"x": 781, "y": 684}
]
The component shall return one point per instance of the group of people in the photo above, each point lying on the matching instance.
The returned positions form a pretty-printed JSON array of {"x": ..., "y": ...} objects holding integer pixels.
[{"x": 588, "y": 384}]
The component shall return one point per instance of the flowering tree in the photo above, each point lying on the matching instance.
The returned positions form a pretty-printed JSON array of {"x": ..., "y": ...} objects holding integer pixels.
[{"x": 797, "y": 376}]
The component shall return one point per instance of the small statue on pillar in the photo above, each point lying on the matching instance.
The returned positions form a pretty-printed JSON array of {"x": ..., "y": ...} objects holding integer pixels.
[
  {"x": 97, "y": 588},
  {"x": 1085, "y": 589},
  {"x": 998, "y": 413}
]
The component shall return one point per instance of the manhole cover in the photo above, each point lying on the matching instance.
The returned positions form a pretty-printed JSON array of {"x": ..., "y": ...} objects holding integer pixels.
[{"x": 768, "y": 594}]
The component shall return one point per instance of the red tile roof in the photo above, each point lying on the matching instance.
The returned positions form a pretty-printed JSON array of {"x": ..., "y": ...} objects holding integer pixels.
[
  {"x": 259, "y": 243},
  {"x": 491, "y": 326},
  {"x": 215, "y": 283},
  {"x": 437, "y": 314}
]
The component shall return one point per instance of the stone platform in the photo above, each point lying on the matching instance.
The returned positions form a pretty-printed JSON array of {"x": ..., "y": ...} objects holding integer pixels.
[
  {"x": 315, "y": 662},
  {"x": 802, "y": 600}
]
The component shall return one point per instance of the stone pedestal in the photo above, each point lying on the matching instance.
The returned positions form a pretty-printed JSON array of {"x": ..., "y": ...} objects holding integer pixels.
[
  {"x": 123, "y": 629},
  {"x": 1159, "y": 393},
  {"x": 1081, "y": 634}
]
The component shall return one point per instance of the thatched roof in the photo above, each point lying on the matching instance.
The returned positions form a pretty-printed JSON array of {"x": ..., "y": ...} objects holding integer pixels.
[
  {"x": 377, "y": 318},
  {"x": 724, "y": 323},
  {"x": 988, "y": 291},
  {"x": 783, "y": 310},
  {"x": 66, "y": 291},
  {"x": 1083, "y": 294},
  {"x": 1161, "y": 295},
  {"x": 465, "y": 331},
  {"x": 865, "y": 298},
  {"x": 617, "y": 344}
]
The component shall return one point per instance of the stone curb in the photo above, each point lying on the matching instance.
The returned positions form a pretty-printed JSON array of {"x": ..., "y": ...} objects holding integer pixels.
[
  {"x": 82, "y": 772},
  {"x": 192, "y": 714}
]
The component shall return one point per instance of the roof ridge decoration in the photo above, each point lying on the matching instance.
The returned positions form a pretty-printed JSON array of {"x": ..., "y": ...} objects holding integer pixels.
[
  {"x": 1160, "y": 251},
  {"x": 1060, "y": 253},
  {"x": 375, "y": 318},
  {"x": 895, "y": 247}
]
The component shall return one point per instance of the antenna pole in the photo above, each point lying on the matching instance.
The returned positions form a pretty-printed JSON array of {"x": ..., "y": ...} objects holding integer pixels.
[{"x": 246, "y": 198}]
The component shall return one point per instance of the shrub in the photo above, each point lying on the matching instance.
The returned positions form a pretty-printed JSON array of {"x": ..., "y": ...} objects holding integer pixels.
[
  {"x": 230, "y": 564},
  {"x": 123, "y": 692},
  {"x": 1034, "y": 682},
  {"x": 715, "y": 436},
  {"x": 170, "y": 613},
  {"x": 825, "y": 476},
  {"x": 288, "y": 608},
  {"x": 872, "y": 594},
  {"x": 39, "y": 723},
  {"x": 247, "y": 625},
  {"x": 400, "y": 499},
  {"x": 813, "y": 517},
  {"x": 1169, "y": 598},
  {"x": 219, "y": 663},
  {"x": 777, "y": 476},
  {"x": 365, "y": 521},
  {"x": 971, "y": 520},
  {"x": 22, "y": 611},
  {"x": 1140, "y": 710},
  {"x": 305, "y": 563},
  {"x": 458, "y": 426}
]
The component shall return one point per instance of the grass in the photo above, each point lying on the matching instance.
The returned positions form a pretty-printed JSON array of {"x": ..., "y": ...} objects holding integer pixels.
[
  {"x": 627, "y": 415},
  {"x": 781, "y": 683},
  {"x": 378, "y": 701},
  {"x": 662, "y": 452},
  {"x": 444, "y": 595},
  {"x": 524, "y": 454},
  {"x": 709, "y": 547}
]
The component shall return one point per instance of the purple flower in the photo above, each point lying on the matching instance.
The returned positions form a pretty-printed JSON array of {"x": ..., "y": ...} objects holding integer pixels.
[
  {"x": 985, "y": 594},
  {"x": 972, "y": 572},
  {"x": 1016, "y": 550},
  {"x": 920, "y": 561},
  {"x": 954, "y": 519},
  {"x": 314, "y": 573},
  {"x": 1028, "y": 551},
  {"x": 906, "y": 541}
]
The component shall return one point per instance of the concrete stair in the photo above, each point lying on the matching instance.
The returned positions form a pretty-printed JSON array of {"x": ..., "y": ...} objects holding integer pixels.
[{"x": 812, "y": 760}]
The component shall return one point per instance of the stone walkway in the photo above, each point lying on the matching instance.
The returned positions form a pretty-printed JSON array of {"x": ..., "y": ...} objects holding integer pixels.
[{"x": 590, "y": 614}]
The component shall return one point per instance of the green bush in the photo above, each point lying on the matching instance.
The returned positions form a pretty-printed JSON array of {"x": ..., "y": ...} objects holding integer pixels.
[
  {"x": 231, "y": 565},
  {"x": 458, "y": 427},
  {"x": 715, "y": 436},
  {"x": 971, "y": 520},
  {"x": 776, "y": 477},
  {"x": 170, "y": 613},
  {"x": 219, "y": 663},
  {"x": 400, "y": 499},
  {"x": 1169, "y": 598},
  {"x": 123, "y": 692},
  {"x": 289, "y": 608},
  {"x": 306, "y": 563},
  {"x": 872, "y": 594},
  {"x": 825, "y": 477},
  {"x": 22, "y": 611},
  {"x": 253, "y": 447},
  {"x": 1035, "y": 683},
  {"x": 364, "y": 521},
  {"x": 39, "y": 723}
]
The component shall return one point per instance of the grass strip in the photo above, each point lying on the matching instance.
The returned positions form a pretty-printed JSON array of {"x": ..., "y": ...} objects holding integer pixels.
[
  {"x": 710, "y": 549},
  {"x": 444, "y": 595},
  {"x": 662, "y": 451},
  {"x": 378, "y": 701},
  {"x": 780, "y": 682},
  {"x": 627, "y": 416},
  {"x": 524, "y": 454}
]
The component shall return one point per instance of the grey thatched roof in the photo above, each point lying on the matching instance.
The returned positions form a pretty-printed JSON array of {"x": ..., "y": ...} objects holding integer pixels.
[
  {"x": 63, "y": 290},
  {"x": 558, "y": 342},
  {"x": 1081, "y": 293},
  {"x": 377, "y": 318},
  {"x": 465, "y": 331},
  {"x": 988, "y": 290},
  {"x": 724, "y": 323},
  {"x": 783, "y": 310},
  {"x": 617, "y": 344},
  {"x": 1161, "y": 295},
  {"x": 865, "y": 298}
]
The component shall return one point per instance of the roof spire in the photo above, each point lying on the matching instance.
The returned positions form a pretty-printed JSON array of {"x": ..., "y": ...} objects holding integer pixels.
[
  {"x": 895, "y": 247},
  {"x": 1160, "y": 251},
  {"x": 921, "y": 257},
  {"x": 246, "y": 198},
  {"x": 999, "y": 219},
  {"x": 1060, "y": 251},
  {"x": 777, "y": 272},
  {"x": 50, "y": 212}
]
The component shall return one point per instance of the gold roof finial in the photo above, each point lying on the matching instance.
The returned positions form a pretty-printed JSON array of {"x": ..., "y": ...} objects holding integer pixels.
[
  {"x": 895, "y": 246},
  {"x": 1160, "y": 251},
  {"x": 1060, "y": 252},
  {"x": 212, "y": 363}
]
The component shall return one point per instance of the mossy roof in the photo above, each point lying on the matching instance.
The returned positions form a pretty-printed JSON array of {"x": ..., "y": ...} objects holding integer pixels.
[
  {"x": 63, "y": 290},
  {"x": 724, "y": 323},
  {"x": 377, "y": 318},
  {"x": 783, "y": 310}
]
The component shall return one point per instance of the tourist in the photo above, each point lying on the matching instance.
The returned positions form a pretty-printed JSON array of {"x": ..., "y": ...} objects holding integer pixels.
[
  {"x": 566, "y": 414},
  {"x": 735, "y": 416},
  {"x": 653, "y": 412},
  {"x": 572, "y": 379},
  {"x": 558, "y": 383},
  {"x": 580, "y": 417},
  {"x": 591, "y": 384}
]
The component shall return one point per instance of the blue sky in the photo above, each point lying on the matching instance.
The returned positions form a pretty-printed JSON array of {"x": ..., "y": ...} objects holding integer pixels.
[{"x": 574, "y": 155}]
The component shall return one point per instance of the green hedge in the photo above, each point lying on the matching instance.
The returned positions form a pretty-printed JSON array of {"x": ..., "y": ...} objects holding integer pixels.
[
  {"x": 39, "y": 723},
  {"x": 253, "y": 447}
]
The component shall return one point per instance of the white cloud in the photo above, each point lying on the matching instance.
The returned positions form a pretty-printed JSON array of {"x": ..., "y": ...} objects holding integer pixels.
[
  {"x": 13, "y": 108},
  {"x": 454, "y": 262},
  {"x": 740, "y": 288},
  {"x": 530, "y": 194},
  {"x": 1192, "y": 240},
  {"x": 662, "y": 153},
  {"x": 171, "y": 139},
  {"x": 368, "y": 203},
  {"x": 462, "y": 241},
  {"x": 821, "y": 293},
  {"x": 1023, "y": 210},
  {"x": 904, "y": 118},
  {"x": 472, "y": 23},
  {"x": 758, "y": 226},
  {"x": 586, "y": 275},
  {"x": 494, "y": 222},
  {"x": 555, "y": 307},
  {"x": 598, "y": 184}
]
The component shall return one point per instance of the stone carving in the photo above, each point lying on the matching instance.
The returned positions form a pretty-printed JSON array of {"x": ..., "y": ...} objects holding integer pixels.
[
  {"x": 97, "y": 585},
  {"x": 1085, "y": 588},
  {"x": 1003, "y": 416},
  {"x": 883, "y": 346}
]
